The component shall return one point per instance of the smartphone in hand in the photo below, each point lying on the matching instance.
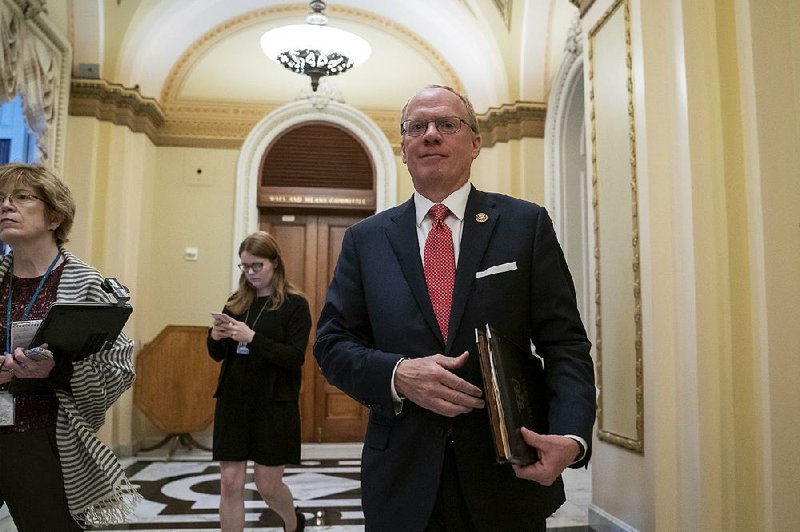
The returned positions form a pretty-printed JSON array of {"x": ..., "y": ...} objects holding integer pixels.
[
  {"x": 38, "y": 353},
  {"x": 220, "y": 316}
]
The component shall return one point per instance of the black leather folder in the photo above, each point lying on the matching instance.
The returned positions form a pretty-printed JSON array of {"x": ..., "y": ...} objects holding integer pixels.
[{"x": 513, "y": 379}]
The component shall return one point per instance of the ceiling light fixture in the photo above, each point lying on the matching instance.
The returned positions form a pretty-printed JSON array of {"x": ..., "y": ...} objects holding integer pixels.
[{"x": 314, "y": 48}]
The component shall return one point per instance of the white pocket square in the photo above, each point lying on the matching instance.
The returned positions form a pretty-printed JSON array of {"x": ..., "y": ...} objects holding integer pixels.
[{"x": 494, "y": 270}]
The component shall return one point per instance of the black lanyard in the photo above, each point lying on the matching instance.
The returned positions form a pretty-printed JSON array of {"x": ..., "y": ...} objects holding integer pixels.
[{"x": 30, "y": 303}]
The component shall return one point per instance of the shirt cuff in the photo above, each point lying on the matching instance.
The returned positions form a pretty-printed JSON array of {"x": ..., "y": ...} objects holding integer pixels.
[
  {"x": 396, "y": 399},
  {"x": 582, "y": 444}
]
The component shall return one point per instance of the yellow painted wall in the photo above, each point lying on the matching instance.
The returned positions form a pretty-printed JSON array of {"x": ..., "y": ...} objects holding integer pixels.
[
  {"x": 620, "y": 477},
  {"x": 515, "y": 168},
  {"x": 80, "y": 174},
  {"x": 491, "y": 171},
  {"x": 190, "y": 215},
  {"x": 57, "y": 13},
  {"x": 185, "y": 214},
  {"x": 117, "y": 16},
  {"x": 770, "y": 86},
  {"x": 109, "y": 170},
  {"x": 530, "y": 181},
  {"x": 405, "y": 188},
  {"x": 717, "y": 161}
]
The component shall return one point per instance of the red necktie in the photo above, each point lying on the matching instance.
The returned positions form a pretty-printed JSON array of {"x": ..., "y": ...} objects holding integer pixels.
[{"x": 440, "y": 266}]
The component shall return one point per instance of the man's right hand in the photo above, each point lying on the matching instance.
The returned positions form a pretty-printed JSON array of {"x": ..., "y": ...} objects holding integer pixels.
[{"x": 430, "y": 383}]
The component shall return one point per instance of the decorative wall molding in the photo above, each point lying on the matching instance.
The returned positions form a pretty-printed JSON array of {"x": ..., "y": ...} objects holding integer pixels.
[
  {"x": 225, "y": 124},
  {"x": 618, "y": 338},
  {"x": 36, "y": 63},
  {"x": 565, "y": 165},
  {"x": 584, "y": 5},
  {"x": 110, "y": 102},
  {"x": 569, "y": 74},
  {"x": 504, "y": 6},
  {"x": 31, "y": 8},
  {"x": 512, "y": 122}
]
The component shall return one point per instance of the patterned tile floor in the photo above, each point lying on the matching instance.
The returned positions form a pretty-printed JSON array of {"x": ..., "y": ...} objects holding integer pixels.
[{"x": 181, "y": 492}]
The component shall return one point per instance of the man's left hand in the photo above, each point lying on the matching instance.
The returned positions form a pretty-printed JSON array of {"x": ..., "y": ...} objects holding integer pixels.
[{"x": 556, "y": 453}]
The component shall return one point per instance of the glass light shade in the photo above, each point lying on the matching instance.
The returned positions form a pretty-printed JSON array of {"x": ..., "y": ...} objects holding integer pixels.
[
  {"x": 315, "y": 50},
  {"x": 325, "y": 39}
]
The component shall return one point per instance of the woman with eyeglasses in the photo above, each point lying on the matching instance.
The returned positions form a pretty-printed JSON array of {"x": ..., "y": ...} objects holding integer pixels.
[
  {"x": 261, "y": 338},
  {"x": 54, "y": 473}
]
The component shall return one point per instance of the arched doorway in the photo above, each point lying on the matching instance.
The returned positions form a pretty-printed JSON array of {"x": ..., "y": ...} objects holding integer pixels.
[
  {"x": 566, "y": 188},
  {"x": 568, "y": 196},
  {"x": 305, "y": 175}
]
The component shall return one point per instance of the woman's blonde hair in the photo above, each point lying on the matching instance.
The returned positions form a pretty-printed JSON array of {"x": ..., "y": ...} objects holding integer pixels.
[
  {"x": 262, "y": 244},
  {"x": 59, "y": 206}
]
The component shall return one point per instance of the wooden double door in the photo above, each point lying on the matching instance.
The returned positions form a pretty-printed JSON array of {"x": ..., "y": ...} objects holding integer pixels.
[{"x": 310, "y": 244}]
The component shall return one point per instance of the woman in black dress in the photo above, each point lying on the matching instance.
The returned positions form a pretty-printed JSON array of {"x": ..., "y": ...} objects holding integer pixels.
[{"x": 261, "y": 338}]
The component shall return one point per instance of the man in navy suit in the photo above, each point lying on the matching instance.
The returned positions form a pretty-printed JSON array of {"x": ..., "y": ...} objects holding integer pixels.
[{"x": 390, "y": 337}]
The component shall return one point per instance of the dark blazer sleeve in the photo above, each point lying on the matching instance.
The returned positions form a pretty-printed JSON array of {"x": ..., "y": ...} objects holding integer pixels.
[
  {"x": 559, "y": 337},
  {"x": 344, "y": 347}
]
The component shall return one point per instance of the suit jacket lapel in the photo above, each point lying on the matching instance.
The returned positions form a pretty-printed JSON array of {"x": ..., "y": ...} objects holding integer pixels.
[
  {"x": 402, "y": 234},
  {"x": 474, "y": 241}
]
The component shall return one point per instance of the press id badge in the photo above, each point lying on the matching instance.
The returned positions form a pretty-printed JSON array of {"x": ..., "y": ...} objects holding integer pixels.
[
  {"x": 6, "y": 409},
  {"x": 242, "y": 349}
]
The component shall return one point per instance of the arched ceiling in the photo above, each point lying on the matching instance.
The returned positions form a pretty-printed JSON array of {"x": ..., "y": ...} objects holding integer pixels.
[
  {"x": 207, "y": 50},
  {"x": 215, "y": 66}
]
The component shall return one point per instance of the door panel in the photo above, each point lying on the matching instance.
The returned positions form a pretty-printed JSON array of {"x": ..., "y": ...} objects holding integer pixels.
[
  {"x": 310, "y": 245},
  {"x": 338, "y": 417},
  {"x": 296, "y": 235}
]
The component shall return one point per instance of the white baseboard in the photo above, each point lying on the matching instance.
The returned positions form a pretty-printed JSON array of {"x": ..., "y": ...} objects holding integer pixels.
[{"x": 600, "y": 520}]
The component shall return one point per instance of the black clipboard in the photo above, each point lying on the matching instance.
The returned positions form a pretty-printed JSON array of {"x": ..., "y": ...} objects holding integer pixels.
[{"x": 76, "y": 330}]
